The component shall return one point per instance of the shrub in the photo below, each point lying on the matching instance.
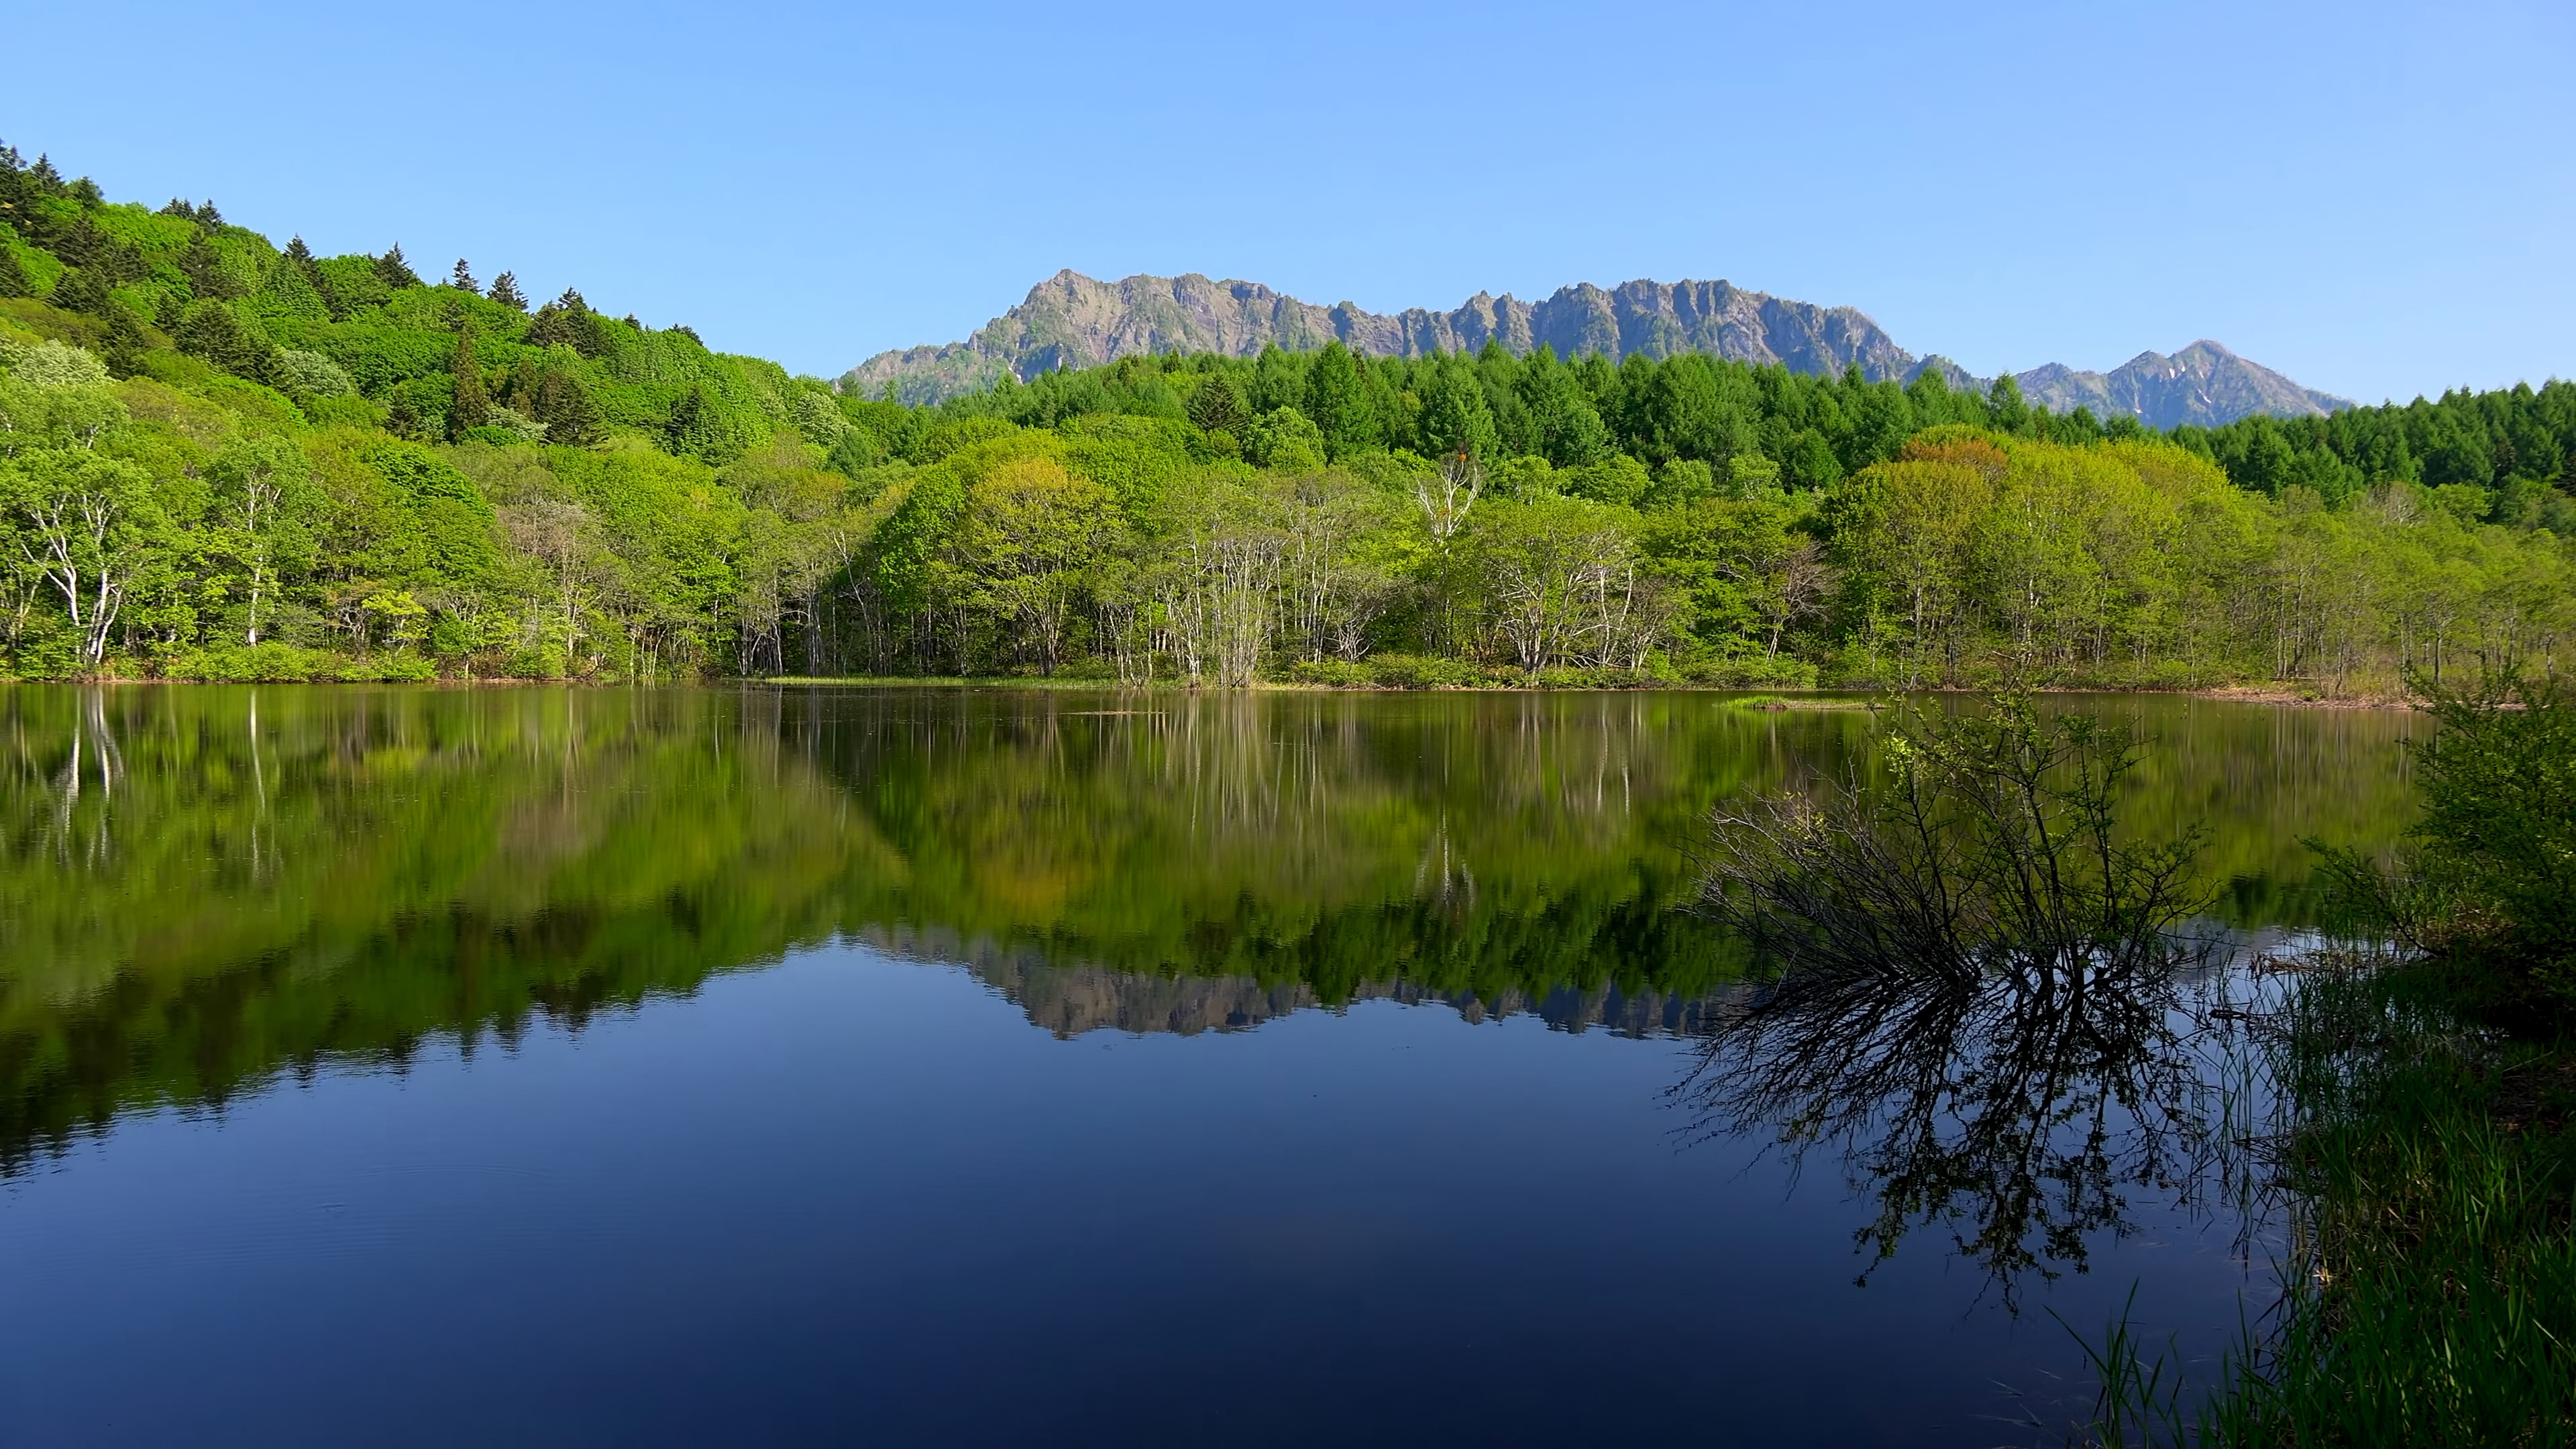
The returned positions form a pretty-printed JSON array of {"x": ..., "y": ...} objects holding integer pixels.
[
  {"x": 2490, "y": 876},
  {"x": 342, "y": 412},
  {"x": 1989, "y": 845},
  {"x": 400, "y": 667},
  {"x": 1745, "y": 670},
  {"x": 1413, "y": 671},
  {"x": 547, "y": 662},
  {"x": 1338, "y": 673},
  {"x": 269, "y": 663}
]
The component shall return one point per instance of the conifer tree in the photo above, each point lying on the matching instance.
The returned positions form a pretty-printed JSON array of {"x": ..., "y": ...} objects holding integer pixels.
[
  {"x": 1338, "y": 402},
  {"x": 13, "y": 277},
  {"x": 564, "y": 406},
  {"x": 463, "y": 280},
  {"x": 403, "y": 420},
  {"x": 1217, "y": 407},
  {"x": 206, "y": 273},
  {"x": 2004, "y": 403},
  {"x": 210, "y": 330},
  {"x": 1456, "y": 420},
  {"x": 301, "y": 257},
  {"x": 82, "y": 289},
  {"x": 505, "y": 290},
  {"x": 473, "y": 403},
  {"x": 395, "y": 271},
  {"x": 692, "y": 429},
  {"x": 289, "y": 290},
  {"x": 554, "y": 327}
]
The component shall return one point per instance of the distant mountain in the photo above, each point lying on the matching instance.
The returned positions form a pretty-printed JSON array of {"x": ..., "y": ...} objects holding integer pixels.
[
  {"x": 1070, "y": 320},
  {"x": 2204, "y": 383}
]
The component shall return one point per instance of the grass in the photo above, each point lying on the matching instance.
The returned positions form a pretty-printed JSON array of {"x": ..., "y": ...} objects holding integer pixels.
[
  {"x": 2423, "y": 1145},
  {"x": 2429, "y": 1290},
  {"x": 955, "y": 681},
  {"x": 1777, "y": 702}
]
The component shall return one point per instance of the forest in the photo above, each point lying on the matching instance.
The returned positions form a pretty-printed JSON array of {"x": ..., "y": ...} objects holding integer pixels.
[{"x": 225, "y": 460}]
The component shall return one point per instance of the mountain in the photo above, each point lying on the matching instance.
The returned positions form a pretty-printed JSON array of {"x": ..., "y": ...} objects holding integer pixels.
[
  {"x": 1070, "y": 320},
  {"x": 2204, "y": 383}
]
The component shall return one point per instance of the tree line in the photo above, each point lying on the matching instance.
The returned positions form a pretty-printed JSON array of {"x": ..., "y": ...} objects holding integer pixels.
[{"x": 224, "y": 459}]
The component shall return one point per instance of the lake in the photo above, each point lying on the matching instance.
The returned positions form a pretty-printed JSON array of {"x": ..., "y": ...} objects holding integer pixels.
[{"x": 942, "y": 1066}]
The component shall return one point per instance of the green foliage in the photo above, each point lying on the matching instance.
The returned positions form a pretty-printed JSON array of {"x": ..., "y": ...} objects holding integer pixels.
[
  {"x": 1456, "y": 419},
  {"x": 1216, "y": 405},
  {"x": 2431, "y": 1293},
  {"x": 2489, "y": 884},
  {"x": 1285, "y": 439},
  {"x": 1414, "y": 671},
  {"x": 1687, "y": 518},
  {"x": 2499, "y": 787},
  {"x": 1990, "y": 845},
  {"x": 469, "y": 402}
]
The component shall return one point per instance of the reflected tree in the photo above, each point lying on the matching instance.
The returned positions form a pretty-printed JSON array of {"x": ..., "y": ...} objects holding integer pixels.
[{"x": 1978, "y": 991}]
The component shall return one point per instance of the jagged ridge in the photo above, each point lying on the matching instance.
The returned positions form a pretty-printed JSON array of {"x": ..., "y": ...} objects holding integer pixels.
[{"x": 1070, "y": 320}]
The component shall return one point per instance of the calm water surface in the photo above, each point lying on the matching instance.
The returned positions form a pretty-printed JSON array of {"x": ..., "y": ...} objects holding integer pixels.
[{"x": 920, "y": 1066}]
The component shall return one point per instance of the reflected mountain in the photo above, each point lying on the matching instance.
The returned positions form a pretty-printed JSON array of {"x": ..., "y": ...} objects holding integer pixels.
[
  {"x": 1070, "y": 1001},
  {"x": 203, "y": 889}
]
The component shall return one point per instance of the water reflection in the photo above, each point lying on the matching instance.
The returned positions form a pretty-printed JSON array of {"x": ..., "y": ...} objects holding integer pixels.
[
  {"x": 2013, "y": 1112},
  {"x": 1070, "y": 1001},
  {"x": 201, "y": 889}
]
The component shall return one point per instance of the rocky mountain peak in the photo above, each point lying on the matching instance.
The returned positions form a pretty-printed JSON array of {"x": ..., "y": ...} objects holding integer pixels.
[{"x": 1071, "y": 320}]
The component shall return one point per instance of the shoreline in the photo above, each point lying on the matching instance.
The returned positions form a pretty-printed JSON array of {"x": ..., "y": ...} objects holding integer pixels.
[{"x": 1787, "y": 697}]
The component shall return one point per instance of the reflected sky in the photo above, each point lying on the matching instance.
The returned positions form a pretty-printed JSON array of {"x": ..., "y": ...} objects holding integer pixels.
[{"x": 935, "y": 1067}]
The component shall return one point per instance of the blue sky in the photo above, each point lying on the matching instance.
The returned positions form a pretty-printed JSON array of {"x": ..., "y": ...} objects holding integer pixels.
[{"x": 2375, "y": 199}]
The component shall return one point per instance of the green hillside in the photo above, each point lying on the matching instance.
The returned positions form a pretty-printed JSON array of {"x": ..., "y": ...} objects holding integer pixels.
[{"x": 223, "y": 459}]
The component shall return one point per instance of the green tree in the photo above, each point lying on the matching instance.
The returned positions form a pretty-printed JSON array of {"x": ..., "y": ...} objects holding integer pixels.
[
  {"x": 564, "y": 406},
  {"x": 472, "y": 407},
  {"x": 213, "y": 331},
  {"x": 1338, "y": 401},
  {"x": 90, "y": 527},
  {"x": 2005, "y": 406},
  {"x": 394, "y": 271},
  {"x": 693, "y": 428},
  {"x": 265, "y": 511},
  {"x": 1456, "y": 421},
  {"x": 1286, "y": 440},
  {"x": 1910, "y": 527},
  {"x": 1565, "y": 427},
  {"x": 1029, "y": 532},
  {"x": 1217, "y": 405},
  {"x": 1558, "y": 582}
]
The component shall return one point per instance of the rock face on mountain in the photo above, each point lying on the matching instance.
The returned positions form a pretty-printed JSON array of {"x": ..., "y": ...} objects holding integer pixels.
[
  {"x": 1070, "y": 320},
  {"x": 2203, "y": 383}
]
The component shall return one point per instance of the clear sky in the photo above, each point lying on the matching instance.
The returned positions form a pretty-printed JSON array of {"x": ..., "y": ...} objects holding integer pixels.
[{"x": 2374, "y": 199}]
